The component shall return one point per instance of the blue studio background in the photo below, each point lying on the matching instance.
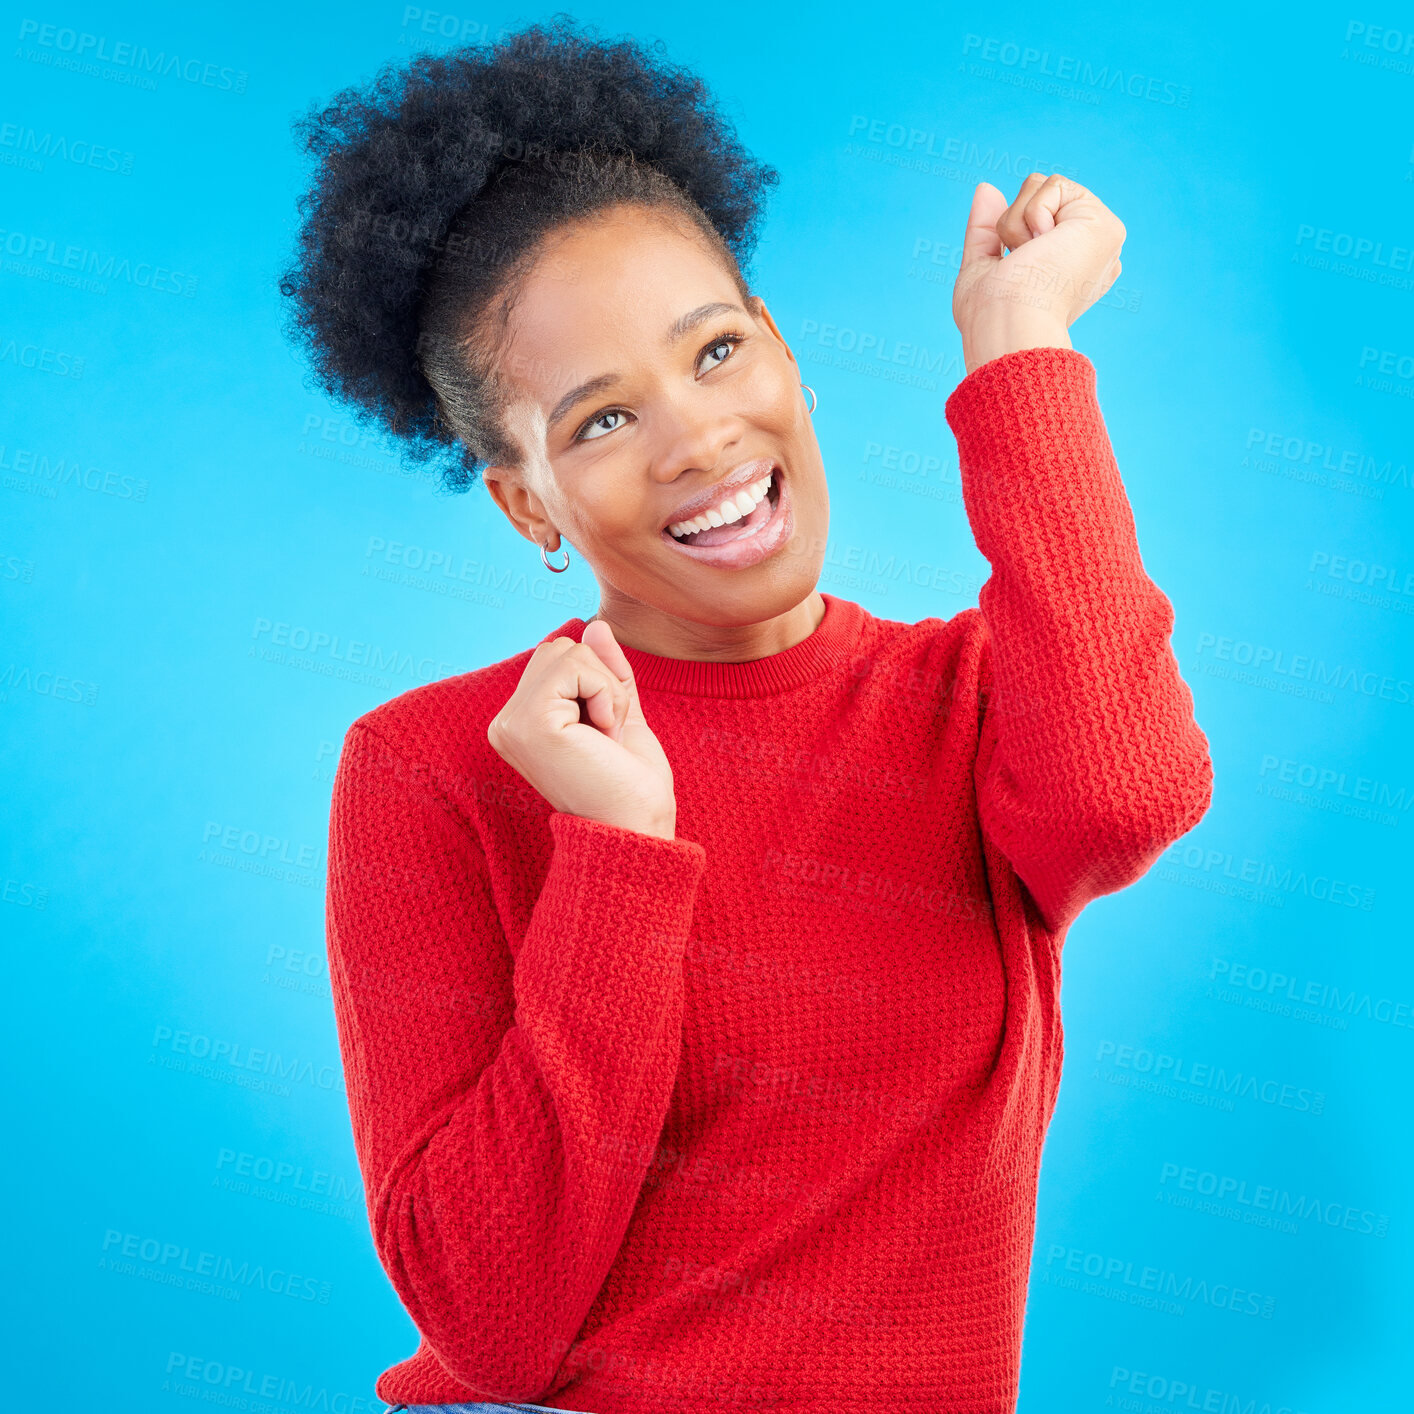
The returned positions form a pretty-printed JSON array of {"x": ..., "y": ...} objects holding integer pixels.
[{"x": 198, "y": 551}]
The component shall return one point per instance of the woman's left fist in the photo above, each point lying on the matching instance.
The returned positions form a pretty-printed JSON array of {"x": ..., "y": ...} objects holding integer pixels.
[{"x": 1064, "y": 245}]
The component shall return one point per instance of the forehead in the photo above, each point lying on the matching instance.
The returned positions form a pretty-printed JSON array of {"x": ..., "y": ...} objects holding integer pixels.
[{"x": 600, "y": 297}]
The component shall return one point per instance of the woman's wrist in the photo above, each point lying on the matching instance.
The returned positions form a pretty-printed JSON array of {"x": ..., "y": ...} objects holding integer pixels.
[
  {"x": 1009, "y": 335},
  {"x": 663, "y": 826}
]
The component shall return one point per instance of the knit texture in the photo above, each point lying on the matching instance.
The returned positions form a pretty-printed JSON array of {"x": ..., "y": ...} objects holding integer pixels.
[{"x": 753, "y": 1118}]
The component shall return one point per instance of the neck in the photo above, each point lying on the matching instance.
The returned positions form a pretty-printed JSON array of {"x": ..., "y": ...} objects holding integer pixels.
[{"x": 651, "y": 630}]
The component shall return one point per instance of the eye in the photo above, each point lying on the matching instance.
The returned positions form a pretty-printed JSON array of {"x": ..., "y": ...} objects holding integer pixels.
[
  {"x": 593, "y": 429},
  {"x": 729, "y": 340},
  {"x": 586, "y": 434}
]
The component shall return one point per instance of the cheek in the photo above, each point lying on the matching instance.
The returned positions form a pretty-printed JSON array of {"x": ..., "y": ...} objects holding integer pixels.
[
  {"x": 770, "y": 395},
  {"x": 608, "y": 515}
]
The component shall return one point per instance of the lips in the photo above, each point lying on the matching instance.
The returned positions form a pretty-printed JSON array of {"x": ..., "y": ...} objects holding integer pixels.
[
  {"x": 748, "y": 549},
  {"x": 745, "y": 475}
]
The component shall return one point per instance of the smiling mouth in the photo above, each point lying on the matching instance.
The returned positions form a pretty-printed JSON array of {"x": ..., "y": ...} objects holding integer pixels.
[
  {"x": 741, "y": 529},
  {"x": 749, "y": 541}
]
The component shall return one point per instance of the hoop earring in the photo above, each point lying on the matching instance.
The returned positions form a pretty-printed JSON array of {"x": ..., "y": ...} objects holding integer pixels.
[
  {"x": 558, "y": 569},
  {"x": 814, "y": 401}
]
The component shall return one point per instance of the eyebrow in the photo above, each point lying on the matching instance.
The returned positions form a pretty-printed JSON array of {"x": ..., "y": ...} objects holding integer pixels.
[{"x": 680, "y": 329}]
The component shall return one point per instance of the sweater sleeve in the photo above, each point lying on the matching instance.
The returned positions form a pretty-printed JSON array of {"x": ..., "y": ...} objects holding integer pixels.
[
  {"x": 505, "y": 1108},
  {"x": 1090, "y": 762}
]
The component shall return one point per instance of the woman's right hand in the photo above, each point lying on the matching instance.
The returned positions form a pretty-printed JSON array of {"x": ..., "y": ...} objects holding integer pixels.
[{"x": 610, "y": 768}]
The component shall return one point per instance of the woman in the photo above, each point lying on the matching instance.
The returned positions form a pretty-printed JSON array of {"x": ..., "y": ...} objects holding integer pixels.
[{"x": 696, "y": 972}]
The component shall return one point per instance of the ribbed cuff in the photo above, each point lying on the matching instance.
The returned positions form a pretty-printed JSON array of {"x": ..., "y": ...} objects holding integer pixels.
[
  {"x": 613, "y": 916},
  {"x": 1034, "y": 454},
  {"x": 1020, "y": 394}
]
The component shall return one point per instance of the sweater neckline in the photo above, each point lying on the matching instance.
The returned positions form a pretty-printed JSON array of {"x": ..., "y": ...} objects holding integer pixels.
[{"x": 827, "y": 648}]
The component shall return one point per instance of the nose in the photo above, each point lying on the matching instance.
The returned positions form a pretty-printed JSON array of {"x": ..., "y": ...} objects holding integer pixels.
[{"x": 694, "y": 435}]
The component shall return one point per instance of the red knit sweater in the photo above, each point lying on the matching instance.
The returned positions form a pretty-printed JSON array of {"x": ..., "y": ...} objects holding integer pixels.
[{"x": 752, "y": 1118}]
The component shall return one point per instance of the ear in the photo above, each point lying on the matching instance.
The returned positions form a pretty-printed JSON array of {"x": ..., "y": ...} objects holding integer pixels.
[
  {"x": 758, "y": 307},
  {"x": 521, "y": 506}
]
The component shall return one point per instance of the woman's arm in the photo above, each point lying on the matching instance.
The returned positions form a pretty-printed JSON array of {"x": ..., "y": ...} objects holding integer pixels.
[
  {"x": 1090, "y": 761},
  {"x": 505, "y": 1110}
]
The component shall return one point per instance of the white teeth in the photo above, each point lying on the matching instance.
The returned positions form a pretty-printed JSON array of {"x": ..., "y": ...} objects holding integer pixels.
[{"x": 733, "y": 509}]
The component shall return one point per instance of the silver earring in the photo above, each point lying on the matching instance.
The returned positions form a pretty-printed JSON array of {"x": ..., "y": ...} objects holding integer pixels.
[
  {"x": 558, "y": 569},
  {"x": 813, "y": 399}
]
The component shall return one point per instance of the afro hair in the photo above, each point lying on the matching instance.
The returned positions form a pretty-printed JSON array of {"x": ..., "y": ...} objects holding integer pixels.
[{"x": 433, "y": 185}]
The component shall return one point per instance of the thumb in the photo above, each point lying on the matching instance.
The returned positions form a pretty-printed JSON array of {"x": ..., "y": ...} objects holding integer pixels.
[
  {"x": 600, "y": 637},
  {"x": 980, "y": 241}
]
